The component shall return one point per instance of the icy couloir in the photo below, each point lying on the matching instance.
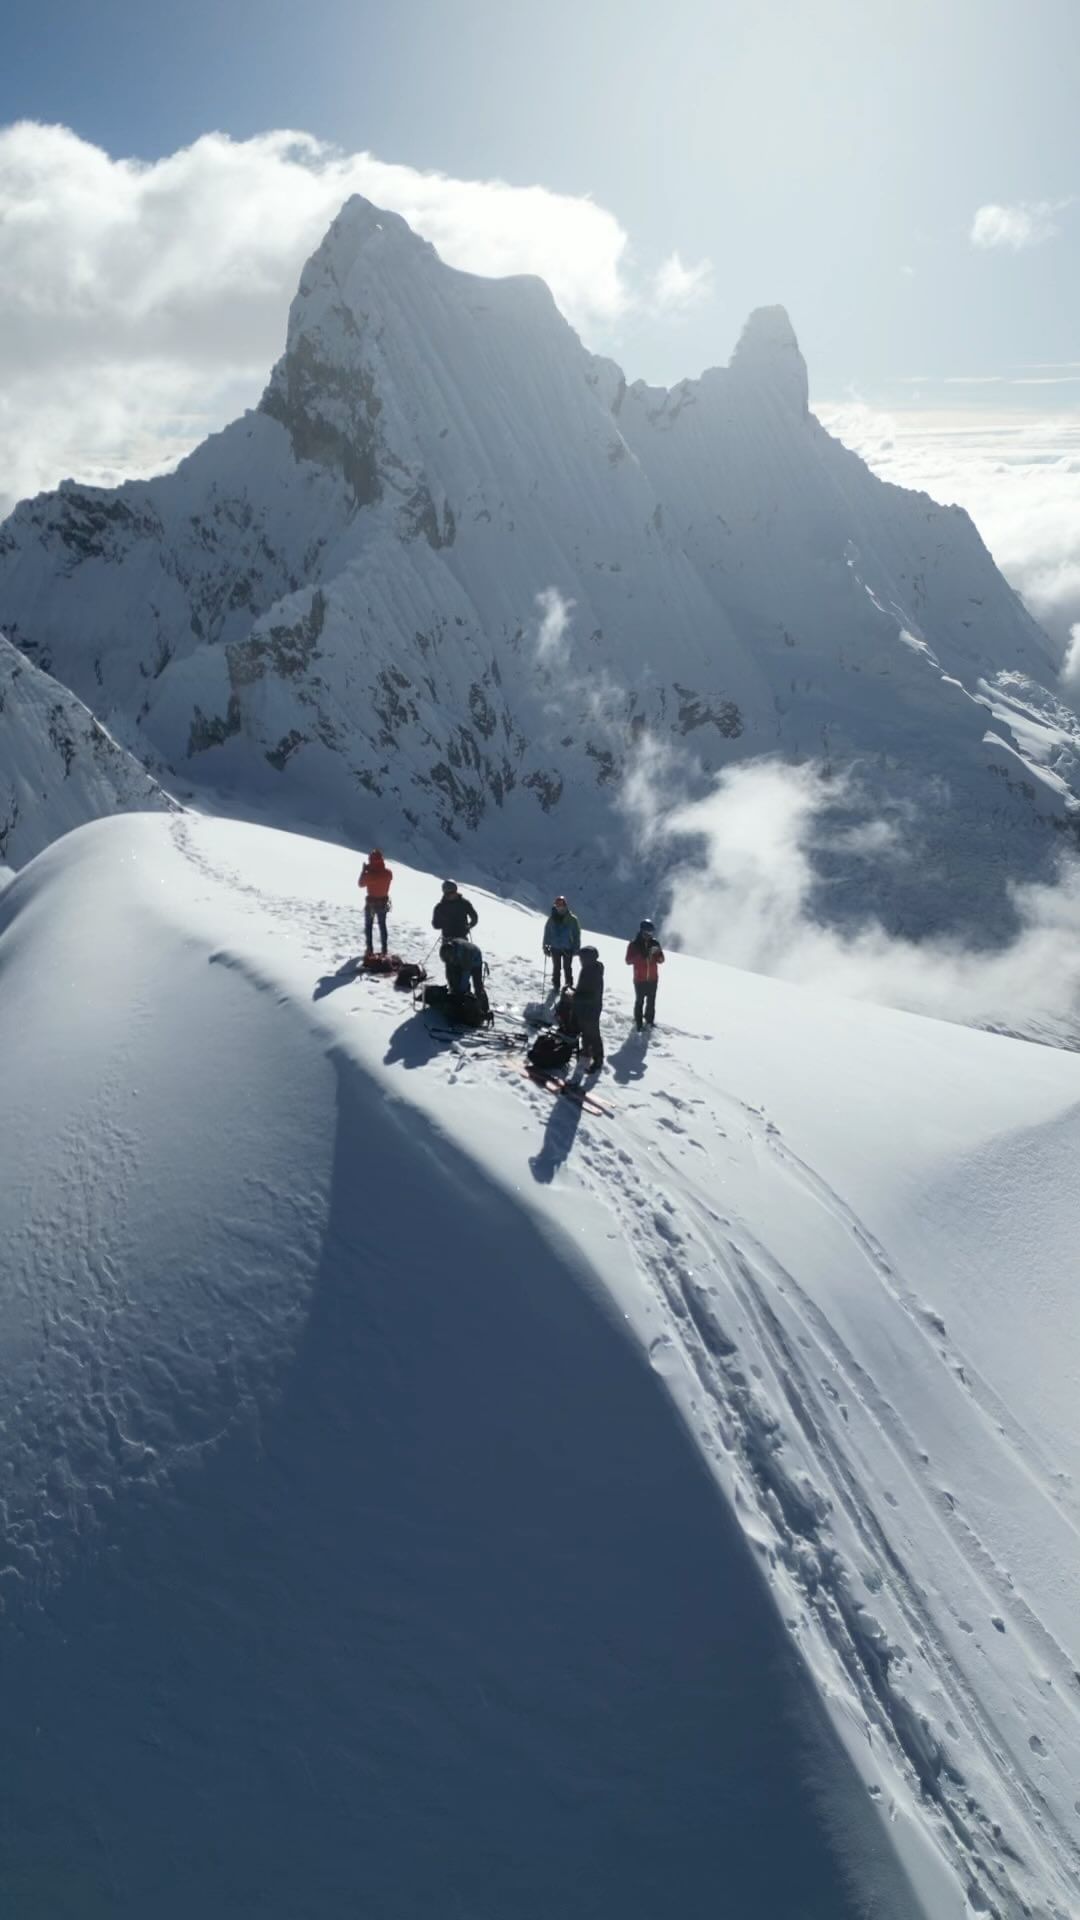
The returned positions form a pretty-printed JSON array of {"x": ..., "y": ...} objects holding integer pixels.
[{"x": 454, "y": 579}]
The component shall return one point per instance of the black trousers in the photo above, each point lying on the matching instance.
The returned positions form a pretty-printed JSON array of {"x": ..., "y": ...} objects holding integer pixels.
[
  {"x": 592, "y": 1044},
  {"x": 561, "y": 961},
  {"x": 375, "y": 910},
  {"x": 644, "y": 1001}
]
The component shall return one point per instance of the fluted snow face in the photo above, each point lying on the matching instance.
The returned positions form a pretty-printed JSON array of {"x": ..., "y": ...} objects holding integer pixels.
[
  {"x": 453, "y": 575},
  {"x": 58, "y": 766}
]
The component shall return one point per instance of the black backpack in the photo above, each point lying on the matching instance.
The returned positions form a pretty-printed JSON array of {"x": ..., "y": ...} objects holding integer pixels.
[
  {"x": 436, "y": 994},
  {"x": 469, "y": 1009},
  {"x": 549, "y": 1051},
  {"x": 409, "y": 975}
]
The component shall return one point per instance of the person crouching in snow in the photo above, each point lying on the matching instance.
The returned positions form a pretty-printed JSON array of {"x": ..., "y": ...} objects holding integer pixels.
[
  {"x": 375, "y": 878},
  {"x": 646, "y": 956},
  {"x": 464, "y": 965},
  {"x": 562, "y": 939}
]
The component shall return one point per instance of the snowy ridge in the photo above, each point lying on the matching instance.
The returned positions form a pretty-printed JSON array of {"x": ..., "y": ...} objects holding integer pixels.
[
  {"x": 59, "y": 768},
  {"x": 456, "y": 576},
  {"x": 802, "y": 1213}
]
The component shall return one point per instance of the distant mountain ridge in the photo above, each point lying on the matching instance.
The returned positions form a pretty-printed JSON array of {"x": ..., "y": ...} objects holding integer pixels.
[
  {"x": 59, "y": 768},
  {"x": 447, "y": 580}
]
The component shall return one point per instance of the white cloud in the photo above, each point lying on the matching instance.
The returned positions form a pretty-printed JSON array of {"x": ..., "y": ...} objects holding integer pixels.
[
  {"x": 676, "y": 287},
  {"x": 1026, "y": 223},
  {"x": 551, "y": 634},
  {"x": 1070, "y": 672},
  {"x": 142, "y": 305},
  {"x": 746, "y": 898}
]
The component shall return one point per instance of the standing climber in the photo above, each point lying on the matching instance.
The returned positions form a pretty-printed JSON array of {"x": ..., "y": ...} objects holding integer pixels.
[
  {"x": 376, "y": 878},
  {"x": 646, "y": 956},
  {"x": 454, "y": 916},
  {"x": 562, "y": 939},
  {"x": 588, "y": 1005}
]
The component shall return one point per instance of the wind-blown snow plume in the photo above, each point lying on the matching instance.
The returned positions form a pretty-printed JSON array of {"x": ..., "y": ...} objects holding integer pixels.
[{"x": 746, "y": 896}]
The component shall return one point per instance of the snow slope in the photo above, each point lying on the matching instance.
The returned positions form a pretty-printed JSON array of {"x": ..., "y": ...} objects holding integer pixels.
[
  {"x": 58, "y": 766},
  {"x": 423, "y": 1495},
  {"x": 455, "y": 569}
]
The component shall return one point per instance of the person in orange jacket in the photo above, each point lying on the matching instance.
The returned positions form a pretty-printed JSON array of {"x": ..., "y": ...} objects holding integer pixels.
[
  {"x": 375, "y": 878},
  {"x": 646, "y": 956}
]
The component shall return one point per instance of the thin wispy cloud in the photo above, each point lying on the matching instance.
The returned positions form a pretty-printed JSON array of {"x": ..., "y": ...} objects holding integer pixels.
[
  {"x": 677, "y": 286},
  {"x": 1024, "y": 223},
  {"x": 552, "y": 644}
]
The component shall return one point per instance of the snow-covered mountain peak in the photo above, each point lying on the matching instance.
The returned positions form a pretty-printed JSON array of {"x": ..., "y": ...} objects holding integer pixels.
[
  {"x": 454, "y": 573},
  {"x": 768, "y": 352}
]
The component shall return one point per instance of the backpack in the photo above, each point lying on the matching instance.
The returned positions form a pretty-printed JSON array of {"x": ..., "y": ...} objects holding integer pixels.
[
  {"x": 409, "y": 975},
  {"x": 548, "y": 1051},
  {"x": 436, "y": 994},
  {"x": 469, "y": 1009}
]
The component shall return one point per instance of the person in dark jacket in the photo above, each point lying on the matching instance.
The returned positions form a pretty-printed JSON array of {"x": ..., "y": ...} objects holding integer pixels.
[
  {"x": 562, "y": 939},
  {"x": 464, "y": 965},
  {"x": 454, "y": 917},
  {"x": 646, "y": 956},
  {"x": 588, "y": 1005}
]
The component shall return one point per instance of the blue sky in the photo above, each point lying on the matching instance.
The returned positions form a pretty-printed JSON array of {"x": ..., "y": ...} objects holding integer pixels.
[{"x": 829, "y": 155}]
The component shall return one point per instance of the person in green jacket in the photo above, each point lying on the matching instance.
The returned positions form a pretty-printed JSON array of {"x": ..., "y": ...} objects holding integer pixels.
[{"x": 562, "y": 939}]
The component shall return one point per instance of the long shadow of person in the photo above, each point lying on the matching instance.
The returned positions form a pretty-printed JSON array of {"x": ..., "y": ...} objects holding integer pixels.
[
  {"x": 412, "y": 1044},
  {"x": 629, "y": 1062},
  {"x": 330, "y": 982},
  {"x": 559, "y": 1136}
]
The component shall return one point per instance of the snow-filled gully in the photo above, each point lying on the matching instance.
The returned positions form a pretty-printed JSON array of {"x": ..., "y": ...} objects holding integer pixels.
[{"x": 830, "y": 1481}]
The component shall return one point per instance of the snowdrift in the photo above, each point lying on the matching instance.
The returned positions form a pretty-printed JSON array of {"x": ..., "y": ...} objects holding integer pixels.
[{"x": 421, "y": 1495}]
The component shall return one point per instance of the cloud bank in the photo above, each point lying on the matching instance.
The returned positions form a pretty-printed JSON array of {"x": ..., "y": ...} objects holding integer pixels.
[
  {"x": 744, "y": 895},
  {"x": 142, "y": 305}
]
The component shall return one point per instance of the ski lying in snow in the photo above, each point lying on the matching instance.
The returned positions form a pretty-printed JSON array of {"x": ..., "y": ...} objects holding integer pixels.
[{"x": 552, "y": 1083}]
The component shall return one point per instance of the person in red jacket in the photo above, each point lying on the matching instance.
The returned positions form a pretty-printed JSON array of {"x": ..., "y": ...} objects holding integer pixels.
[
  {"x": 646, "y": 956},
  {"x": 375, "y": 878}
]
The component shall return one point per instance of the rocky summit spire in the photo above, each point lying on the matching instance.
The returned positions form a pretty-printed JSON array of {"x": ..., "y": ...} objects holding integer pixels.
[{"x": 768, "y": 354}]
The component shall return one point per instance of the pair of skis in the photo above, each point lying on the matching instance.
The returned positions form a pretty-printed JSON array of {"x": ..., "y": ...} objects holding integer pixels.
[{"x": 571, "y": 1089}]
